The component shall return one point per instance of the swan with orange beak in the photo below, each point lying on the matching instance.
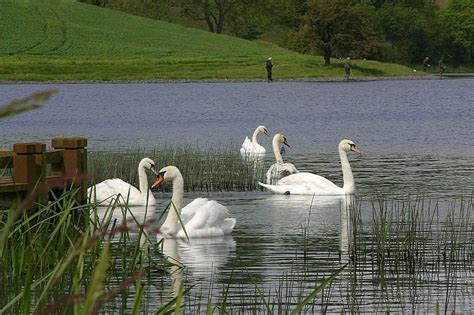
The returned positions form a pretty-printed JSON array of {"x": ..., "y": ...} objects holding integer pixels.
[
  {"x": 200, "y": 218},
  {"x": 305, "y": 183}
]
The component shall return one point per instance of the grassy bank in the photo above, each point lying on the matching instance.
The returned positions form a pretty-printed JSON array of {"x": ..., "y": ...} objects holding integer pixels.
[{"x": 70, "y": 41}]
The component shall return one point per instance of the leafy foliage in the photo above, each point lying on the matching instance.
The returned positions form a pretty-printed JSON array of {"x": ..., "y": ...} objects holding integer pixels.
[
  {"x": 394, "y": 30},
  {"x": 335, "y": 27},
  {"x": 458, "y": 18},
  {"x": 411, "y": 33}
]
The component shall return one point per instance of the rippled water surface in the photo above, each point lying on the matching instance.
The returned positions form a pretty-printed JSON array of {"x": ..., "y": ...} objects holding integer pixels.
[
  {"x": 418, "y": 149},
  {"x": 420, "y": 116}
]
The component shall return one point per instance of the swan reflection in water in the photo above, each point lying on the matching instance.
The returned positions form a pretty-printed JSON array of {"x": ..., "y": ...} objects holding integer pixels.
[
  {"x": 201, "y": 256},
  {"x": 347, "y": 208},
  {"x": 132, "y": 219},
  {"x": 313, "y": 212}
]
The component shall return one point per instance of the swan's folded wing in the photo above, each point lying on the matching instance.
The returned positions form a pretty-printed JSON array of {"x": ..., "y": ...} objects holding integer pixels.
[
  {"x": 304, "y": 184},
  {"x": 272, "y": 174},
  {"x": 279, "y": 170},
  {"x": 190, "y": 210},
  {"x": 315, "y": 181},
  {"x": 247, "y": 144},
  {"x": 291, "y": 189},
  {"x": 109, "y": 188},
  {"x": 209, "y": 218},
  {"x": 290, "y": 168}
]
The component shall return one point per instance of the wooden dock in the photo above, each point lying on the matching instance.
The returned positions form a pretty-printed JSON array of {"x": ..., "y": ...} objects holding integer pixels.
[{"x": 30, "y": 165}]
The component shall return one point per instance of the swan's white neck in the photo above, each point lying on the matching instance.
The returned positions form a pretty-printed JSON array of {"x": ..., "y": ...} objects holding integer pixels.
[
  {"x": 171, "y": 224},
  {"x": 348, "y": 178},
  {"x": 276, "y": 151},
  {"x": 254, "y": 136},
  {"x": 142, "y": 181}
]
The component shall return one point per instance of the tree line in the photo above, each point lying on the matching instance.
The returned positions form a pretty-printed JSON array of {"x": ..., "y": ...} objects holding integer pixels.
[{"x": 403, "y": 31}]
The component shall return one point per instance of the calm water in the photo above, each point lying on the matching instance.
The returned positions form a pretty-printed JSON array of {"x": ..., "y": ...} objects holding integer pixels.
[
  {"x": 427, "y": 117},
  {"x": 416, "y": 138}
]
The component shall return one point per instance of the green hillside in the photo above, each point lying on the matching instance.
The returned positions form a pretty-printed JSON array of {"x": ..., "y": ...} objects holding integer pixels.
[{"x": 67, "y": 40}]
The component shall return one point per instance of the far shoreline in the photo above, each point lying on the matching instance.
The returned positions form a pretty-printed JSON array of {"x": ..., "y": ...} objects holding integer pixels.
[{"x": 167, "y": 81}]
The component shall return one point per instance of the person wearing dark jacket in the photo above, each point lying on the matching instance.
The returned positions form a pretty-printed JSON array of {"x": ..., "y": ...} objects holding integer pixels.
[
  {"x": 348, "y": 68},
  {"x": 269, "y": 66}
]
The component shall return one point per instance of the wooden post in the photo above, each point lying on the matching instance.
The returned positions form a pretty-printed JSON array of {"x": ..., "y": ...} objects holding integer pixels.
[
  {"x": 29, "y": 165},
  {"x": 74, "y": 161}
]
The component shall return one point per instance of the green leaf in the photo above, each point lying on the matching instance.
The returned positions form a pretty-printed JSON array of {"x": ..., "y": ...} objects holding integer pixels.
[
  {"x": 97, "y": 283},
  {"x": 28, "y": 103},
  {"x": 315, "y": 292}
]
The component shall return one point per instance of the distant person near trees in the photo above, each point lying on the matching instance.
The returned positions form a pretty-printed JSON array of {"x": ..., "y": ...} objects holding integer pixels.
[
  {"x": 269, "y": 66},
  {"x": 441, "y": 67},
  {"x": 348, "y": 68},
  {"x": 426, "y": 63}
]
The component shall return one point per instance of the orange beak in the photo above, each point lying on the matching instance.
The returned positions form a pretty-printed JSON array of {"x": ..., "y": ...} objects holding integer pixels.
[
  {"x": 158, "y": 181},
  {"x": 355, "y": 149}
]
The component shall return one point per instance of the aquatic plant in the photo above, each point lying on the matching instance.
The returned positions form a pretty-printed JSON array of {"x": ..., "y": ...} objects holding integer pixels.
[
  {"x": 219, "y": 169},
  {"x": 65, "y": 257}
]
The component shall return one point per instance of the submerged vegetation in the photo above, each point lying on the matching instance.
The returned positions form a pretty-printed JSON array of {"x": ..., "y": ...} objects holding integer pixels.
[{"x": 78, "y": 259}]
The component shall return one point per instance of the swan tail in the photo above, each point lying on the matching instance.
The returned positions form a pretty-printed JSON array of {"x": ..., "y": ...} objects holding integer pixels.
[
  {"x": 274, "y": 188},
  {"x": 228, "y": 225}
]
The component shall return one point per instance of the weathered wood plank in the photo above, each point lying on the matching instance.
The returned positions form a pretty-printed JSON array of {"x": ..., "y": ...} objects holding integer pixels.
[
  {"x": 7, "y": 185},
  {"x": 6, "y": 161},
  {"x": 28, "y": 166},
  {"x": 54, "y": 157}
]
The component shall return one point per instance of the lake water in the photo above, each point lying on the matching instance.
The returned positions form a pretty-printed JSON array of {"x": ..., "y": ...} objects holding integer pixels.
[
  {"x": 418, "y": 116},
  {"x": 417, "y": 140}
]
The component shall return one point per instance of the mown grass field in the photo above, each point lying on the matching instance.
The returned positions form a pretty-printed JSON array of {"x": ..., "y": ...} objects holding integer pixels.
[{"x": 65, "y": 40}]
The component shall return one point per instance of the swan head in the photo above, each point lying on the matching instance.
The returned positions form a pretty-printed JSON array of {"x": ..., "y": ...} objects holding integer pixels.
[
  {"x": 263, "y": 129},
  {"x": 168, "y": 173},
  {"x": 280, "y": 138},
  {"x": 148, "y": 164},
  {"x": 348, "y": 145}
]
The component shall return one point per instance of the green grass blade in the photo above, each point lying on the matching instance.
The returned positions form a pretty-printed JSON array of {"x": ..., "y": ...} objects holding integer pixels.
[
  {"x": 97, "y": 284},
  {"x": 315, "y": 292},
  {"x": 138, "y": 298}
]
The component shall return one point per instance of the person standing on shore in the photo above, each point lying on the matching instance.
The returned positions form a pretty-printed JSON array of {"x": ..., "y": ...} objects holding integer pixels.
[
  {"x": 348, "y": 68},
  {"x": 269, "y": 66},
  {"x": 426, "y": 63},
  {"x": 441, "y": 67}
]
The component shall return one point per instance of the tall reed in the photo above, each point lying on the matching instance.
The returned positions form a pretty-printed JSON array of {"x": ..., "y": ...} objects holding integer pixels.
[
  {"x": 220, "y": 169},
  {"x": 411, "y": 244}
]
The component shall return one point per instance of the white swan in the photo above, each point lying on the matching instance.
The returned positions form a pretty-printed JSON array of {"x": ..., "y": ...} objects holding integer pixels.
[
  {"x": 129, "y": 194},
  {"x": 251, "y": 148},
  {"x": 279, "y": 169},
  {"x": 312, "y": 184},
  {"x": 200, "y": 218}
]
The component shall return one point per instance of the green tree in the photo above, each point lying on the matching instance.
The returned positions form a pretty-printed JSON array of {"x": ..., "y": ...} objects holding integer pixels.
[
  {"x": 334, "y": 27},
  {"x": 213, "y": 12},
  {"x": 458, "y": 18},
  {"x": 411, "y": 33}
]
